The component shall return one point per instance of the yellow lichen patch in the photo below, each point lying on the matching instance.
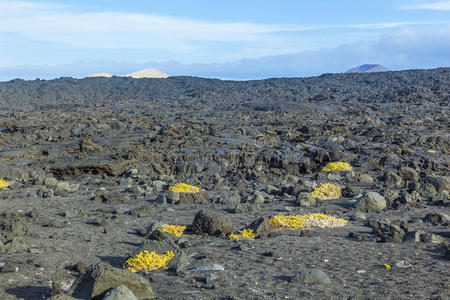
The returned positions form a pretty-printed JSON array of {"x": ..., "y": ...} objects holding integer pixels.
[
  {"x": 431, "y": 151},
  {"x": 184, "y": 188},
  {"x": 3, "y": 183},
  {"x": 246, "y": 233},
  {"x": 175, "y": 230},
  {"x": 327, "y": 191},
  {"x": 149, "y": 261},
  {"x": 307, "y": 221},
  {"x": 337, "y": 166}
]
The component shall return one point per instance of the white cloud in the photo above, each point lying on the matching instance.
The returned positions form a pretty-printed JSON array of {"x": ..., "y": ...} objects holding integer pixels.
[
  {"x": 441, "y": 5},
  {"x": 405, "y": 49},
  {"x": 188, "y": 40}
]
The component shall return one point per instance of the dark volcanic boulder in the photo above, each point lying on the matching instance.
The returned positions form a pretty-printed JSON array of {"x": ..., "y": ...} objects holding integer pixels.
[
  {"x": 371, "y": 201},
  {"x": 211, "y": 223},
  {"x": 100, "y": 278},
  {"x": 13, "y": 231}
]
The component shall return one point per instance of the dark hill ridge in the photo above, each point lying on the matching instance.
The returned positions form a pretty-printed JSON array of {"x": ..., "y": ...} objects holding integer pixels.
[{"x": 406, "y": 86}]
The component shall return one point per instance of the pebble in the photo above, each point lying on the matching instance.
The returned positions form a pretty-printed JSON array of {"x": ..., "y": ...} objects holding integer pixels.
[
  {"x": 208, "y": 267},
  {"x": 402, "y": 264}
]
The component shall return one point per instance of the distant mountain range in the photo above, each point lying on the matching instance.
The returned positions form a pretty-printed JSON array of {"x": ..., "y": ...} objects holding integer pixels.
[{"x": 367, "y": 68}]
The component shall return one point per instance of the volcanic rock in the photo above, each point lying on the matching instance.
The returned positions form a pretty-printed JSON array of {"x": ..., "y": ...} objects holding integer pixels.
[
  {"x": 100, "y": 278},
  {"x": 371, "y": 201},
  {"x": 211, "y": 223}
]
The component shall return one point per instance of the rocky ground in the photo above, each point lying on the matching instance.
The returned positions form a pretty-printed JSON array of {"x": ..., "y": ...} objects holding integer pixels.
[{"x": 89, "y": 177}]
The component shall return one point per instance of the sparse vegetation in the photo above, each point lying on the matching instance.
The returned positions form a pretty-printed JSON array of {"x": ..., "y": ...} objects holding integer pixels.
[
  {"x": 327, "y": 191},
  {"x": 149, "y": 261}
]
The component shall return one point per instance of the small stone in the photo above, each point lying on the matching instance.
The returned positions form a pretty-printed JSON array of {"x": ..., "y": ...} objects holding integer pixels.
[
  {"x": 159, "y": 186},
  {"x": 210, "y": 277},
  {"x": 161, "y": 199},
  {"x": 50, "y": 181},
  {"x": 311, "y": 276},
  {"x": 402, "y": 264},
  {"x": 351, "y": 191},
  {"x": 7, "y": 267},
  {"x": 207, "y": 267},
  {"x": 45, "y": 192},
  {"x": 243, "y": 208},
  {"x": 438, "y": 218},
  {"x": 357, "y": 216},
  {"x": 121, "y": 292},
  {"x": 80, "y": 267},
  {"x": 305, "y": 199},
  {"x": 261, "y": 227},
  {"x": 408, "y": 174},
  {"x": 365, "y": 179}
]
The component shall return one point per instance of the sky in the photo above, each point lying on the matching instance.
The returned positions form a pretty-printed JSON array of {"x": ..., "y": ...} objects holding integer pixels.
[{"x": 245, "y": 39}]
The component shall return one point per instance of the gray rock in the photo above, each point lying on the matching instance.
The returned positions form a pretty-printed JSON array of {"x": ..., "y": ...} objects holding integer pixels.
[
  {"x": 210, "y": 277},
  {"x": 231, "y": 199},
  {"x": 120, "y": 293},
  {"x": 311, "y": 276},
  {"x": 111, "y": 198},
  {"x": 142, "y": 211},
  {"x": 371, "y": 202},
  {"x": 392, "y": 180},
  {"x": 207, "y": 267},
  {"x": 351, "y": 191},
  {"x": 159, "y": 186},
  {"x": 437, "y": 218},
  {"x": 211, "y": 223},
  {"x": 161, "y": 199},
  {"x": 305, "y": 199},
  {"x": 261, "y": 227},
  {"x": 408, "y": 174},
  {"x": 13, "y": 232},
  {"x": 402, "y": 264},
  {"x": 63, "y": 186},
  {"x": 365, "y": 179},
  {"x": 440, "y": 182},
  {"x": 100, "y": 278},
  {"x": 50, "y": 181},
  {"x": 257, "y": 198},
  {"x": 45, "y": 192},
  {"x": 194, "y": 198},
  {"x": 421, "y": 236},
  {"x": 357, "y": 216},
  {"x": 244, "y": 208}
]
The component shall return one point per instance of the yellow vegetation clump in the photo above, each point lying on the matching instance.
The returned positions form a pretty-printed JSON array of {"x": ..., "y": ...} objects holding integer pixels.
[
  {"x": 337, "y": 166},
  {"x": 175, "y": 230},
  {"x": 3, "y": 183},
  {"x": 307, "y": 221},
  {"x": 184, "y": 188},
  {"x": 246, "y": 233},
  {"x": 327, "y": 191},
  {"x": 149, "y": 261}
]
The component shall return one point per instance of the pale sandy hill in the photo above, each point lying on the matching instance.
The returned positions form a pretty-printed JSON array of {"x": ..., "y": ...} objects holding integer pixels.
[
  {"x": 99, "y": 75},
  {"x": 147, "y": 73}
]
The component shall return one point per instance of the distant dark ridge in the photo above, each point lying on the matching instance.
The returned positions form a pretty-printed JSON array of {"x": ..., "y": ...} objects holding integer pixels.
[
  {"x": 367, "y": 68},
  {"x": 412, "y": 86}
]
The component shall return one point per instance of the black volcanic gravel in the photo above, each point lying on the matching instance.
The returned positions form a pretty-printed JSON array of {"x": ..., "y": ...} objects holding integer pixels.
[{"x": 89, "y": 162}]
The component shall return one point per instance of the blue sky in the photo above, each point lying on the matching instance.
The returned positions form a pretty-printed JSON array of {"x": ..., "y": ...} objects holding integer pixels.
[{"x": 243, "y": 39}]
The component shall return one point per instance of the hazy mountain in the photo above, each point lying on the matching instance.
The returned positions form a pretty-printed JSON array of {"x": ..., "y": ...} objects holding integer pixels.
[{"x": 368, "y": 69}]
